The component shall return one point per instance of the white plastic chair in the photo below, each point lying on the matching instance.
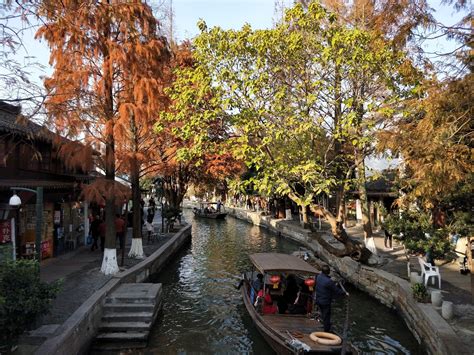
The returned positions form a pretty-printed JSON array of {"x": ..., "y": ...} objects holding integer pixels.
[{"x": 427, "y": 271}]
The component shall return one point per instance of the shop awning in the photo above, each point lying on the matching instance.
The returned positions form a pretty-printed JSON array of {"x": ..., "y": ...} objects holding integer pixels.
[{"x": 32, "y": 184}]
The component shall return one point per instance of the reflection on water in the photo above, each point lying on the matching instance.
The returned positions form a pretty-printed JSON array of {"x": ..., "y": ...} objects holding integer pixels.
[{"x": 204, "y": 313}]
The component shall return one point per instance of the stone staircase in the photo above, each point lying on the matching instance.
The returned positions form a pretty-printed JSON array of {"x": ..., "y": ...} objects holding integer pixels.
[{"x": 129, "y": 314}]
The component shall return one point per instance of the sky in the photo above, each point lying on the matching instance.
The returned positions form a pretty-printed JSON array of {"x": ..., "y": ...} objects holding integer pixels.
[
  {"x": 228, "y": 14},
  {"x": 225, "y": 13}
]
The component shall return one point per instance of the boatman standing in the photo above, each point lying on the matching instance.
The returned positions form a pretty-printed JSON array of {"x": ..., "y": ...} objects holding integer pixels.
[{"x": 326, "y": 291}]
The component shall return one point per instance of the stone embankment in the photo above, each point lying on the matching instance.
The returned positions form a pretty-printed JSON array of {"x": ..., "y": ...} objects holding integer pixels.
[
  {"x": 76, "y": 334},
  {"x": 423, "y": 320}
]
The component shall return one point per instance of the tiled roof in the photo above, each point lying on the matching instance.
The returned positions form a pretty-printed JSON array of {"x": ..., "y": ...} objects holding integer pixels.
[
  {"x": 11, "y": 121},
  {"x": 47, "y": 184}
]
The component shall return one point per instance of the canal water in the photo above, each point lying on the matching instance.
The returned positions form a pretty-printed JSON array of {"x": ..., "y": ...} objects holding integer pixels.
[{"x": 204, "y": 314}]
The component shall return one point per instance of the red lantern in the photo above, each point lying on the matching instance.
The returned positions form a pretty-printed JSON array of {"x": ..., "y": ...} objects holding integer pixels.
[
  {"x": 310, "y": 283},
  {"x": 275, "y": 279}
]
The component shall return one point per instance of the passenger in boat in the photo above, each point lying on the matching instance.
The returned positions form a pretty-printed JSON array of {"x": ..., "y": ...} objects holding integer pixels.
[
  {"x": 257, "y": 285},
  {"x": 268, "y": 306},
  {"x": 326, "y": 291},
  {"x": 289, "y": 295},
  {"x": 300, "y": 306}
]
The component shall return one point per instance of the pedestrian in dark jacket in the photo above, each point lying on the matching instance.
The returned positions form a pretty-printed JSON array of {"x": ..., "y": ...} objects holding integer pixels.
[
  {"x": 102, "y": 232},
  {"x": 326, "y": 291},
  {"x": 95, "y": 232}
]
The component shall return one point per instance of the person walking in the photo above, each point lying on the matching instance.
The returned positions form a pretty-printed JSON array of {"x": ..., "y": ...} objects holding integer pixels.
[
  {"x": 102, "y": 230},
  {"x": 120, "y": 230},
  {"x": 387, "y": 240},
  {"x": 326, "y": 291},
  {"x": 95, "y": 232}
]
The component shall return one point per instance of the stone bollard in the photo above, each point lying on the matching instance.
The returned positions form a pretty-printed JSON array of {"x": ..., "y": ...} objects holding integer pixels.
[
  {"x": 288, "y": 215},
  {"x": 436, "y": 298},
  {"x": 447, "y": 310},
  {"x": 415, "y": 278}
]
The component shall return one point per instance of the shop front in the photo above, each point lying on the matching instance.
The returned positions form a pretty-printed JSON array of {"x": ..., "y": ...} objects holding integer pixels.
[{"x": 64, "y": 222}]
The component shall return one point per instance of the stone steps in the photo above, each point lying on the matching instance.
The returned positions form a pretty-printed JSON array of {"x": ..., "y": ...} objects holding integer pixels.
[
  {"x": 128, "y": 316},
  {"x": 129, "y": 313},
  {"x": 124, "y": 336},
  {"x": 129, "y": 307},
  {"x": 114, "y": 348},
  {"x": 124, "y": 326}
]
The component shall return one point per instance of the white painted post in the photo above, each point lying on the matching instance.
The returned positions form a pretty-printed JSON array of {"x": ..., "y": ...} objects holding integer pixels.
[
  {"x": 447, "y": 310},
  {"x": 436, "y": 298}
]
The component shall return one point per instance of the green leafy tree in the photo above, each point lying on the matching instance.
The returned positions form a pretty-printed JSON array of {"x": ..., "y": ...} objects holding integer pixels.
[
  {"x": 415, "y": 229},
  {"x": 194, "y": 131},
  {"x": 300, "y": 103}
]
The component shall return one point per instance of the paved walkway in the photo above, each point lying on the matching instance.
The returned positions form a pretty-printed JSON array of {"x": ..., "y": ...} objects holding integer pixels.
[
  {"x": 455, "y": 287},
  {"x": 81, "y": 277}
]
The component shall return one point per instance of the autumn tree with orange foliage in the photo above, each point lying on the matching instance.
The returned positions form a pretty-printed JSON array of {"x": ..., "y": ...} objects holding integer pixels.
[
  {"x": 192, "y": 153},
  {"x": 137, "y": 149},
  {"x": 100, "y": 51}
]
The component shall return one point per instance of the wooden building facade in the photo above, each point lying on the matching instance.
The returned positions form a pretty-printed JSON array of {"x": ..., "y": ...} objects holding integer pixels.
[{"x": 29, "y": 158}]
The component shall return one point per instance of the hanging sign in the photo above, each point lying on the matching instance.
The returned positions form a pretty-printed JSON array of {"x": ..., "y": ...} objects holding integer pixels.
[{"x": 5, "y": 231}]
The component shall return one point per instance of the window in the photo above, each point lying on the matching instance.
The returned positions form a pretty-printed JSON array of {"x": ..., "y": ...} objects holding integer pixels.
[
  {"x": 28, "y": 158},
  {"x": 45, "y": 163}
]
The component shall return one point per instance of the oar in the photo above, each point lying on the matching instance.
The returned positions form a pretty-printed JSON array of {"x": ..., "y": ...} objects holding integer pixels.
[{"x": 346, "y": 323}]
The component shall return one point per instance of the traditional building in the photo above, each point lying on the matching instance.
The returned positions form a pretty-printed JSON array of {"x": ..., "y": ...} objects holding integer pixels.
[
  {"x": 29, "y": 158},
  {"x": 381, "y": 195}
]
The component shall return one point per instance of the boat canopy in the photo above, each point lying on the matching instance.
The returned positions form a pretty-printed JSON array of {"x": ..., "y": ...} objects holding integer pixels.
[{"x": 267, "y": 262}]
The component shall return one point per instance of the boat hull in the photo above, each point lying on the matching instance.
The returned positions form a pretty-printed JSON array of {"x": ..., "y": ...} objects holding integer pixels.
[
  {"x": 219, "y": 215},
  {"x": 274, "y": 328}
]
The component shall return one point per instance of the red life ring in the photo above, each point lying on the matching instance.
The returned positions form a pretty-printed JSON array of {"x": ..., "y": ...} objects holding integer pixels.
[{"x": 325, "y": 338}]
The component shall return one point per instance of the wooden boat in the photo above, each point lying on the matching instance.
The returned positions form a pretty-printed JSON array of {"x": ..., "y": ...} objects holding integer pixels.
[
  {"x": 286, "y": 333},
  {"x": 207, "y": 210}
]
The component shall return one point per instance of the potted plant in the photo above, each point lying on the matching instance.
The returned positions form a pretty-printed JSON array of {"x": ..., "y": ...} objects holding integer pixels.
[{"x": 419, "y": 292}]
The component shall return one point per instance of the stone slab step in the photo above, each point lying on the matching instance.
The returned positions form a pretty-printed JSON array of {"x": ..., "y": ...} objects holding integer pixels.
[
  {"x": 124, "y": 326},
  {"x": 128, "y": 317},
  {"x": 135, "y": 293},
  {"x": 128, "y": 307},
  {"x": 131, "y": 300},
  {"x": 112, "y": 348},
  {"x": 132, "y": 336}
]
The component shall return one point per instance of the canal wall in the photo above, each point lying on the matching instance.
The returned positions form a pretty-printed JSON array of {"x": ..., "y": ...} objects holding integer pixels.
[
  {"x": 76, "y": 334},
  {"x": 430, "y": 329}
]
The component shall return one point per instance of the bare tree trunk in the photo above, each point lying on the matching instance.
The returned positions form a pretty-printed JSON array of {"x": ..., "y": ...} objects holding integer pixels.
[
  {"x": 136, "y": 249},
  {"x": 304, "y": 216},
  {"x": 353, "y": 248},
  {"x": 109, "y": 263},
  {"x": 361, "y": 181}
]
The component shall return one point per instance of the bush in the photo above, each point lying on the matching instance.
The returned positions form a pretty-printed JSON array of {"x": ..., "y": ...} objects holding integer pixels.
[
  {"x": 23, "y": 298},
  {"x": 411, "y": 228},
  {"x": 419, "y": 292}
]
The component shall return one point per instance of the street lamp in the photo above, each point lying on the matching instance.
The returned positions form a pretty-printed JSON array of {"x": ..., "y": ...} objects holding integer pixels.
[{"x": 15, "y": 201}]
